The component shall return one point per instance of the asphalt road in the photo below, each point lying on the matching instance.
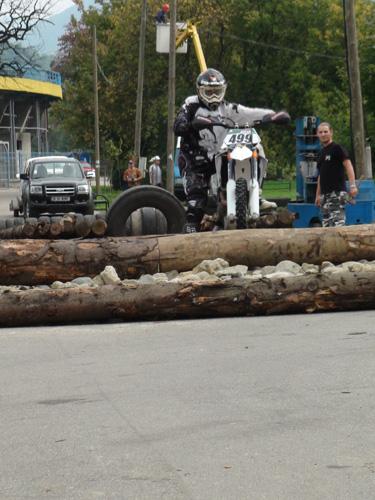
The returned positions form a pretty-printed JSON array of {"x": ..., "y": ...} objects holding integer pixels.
[{"x": 248, "y": 408}]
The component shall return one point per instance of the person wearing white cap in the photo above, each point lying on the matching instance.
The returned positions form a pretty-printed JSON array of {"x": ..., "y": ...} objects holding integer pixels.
[{"x": 155, "y": 172}]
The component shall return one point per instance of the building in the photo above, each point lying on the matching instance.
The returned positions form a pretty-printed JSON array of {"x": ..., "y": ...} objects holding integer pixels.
[{"x": 24, "y": 103}]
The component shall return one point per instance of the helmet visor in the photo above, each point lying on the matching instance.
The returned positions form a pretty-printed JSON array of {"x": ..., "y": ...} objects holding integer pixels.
[{"x": 213, "y": 93}]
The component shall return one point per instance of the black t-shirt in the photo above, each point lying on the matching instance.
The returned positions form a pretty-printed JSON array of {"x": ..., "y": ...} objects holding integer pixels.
[{"x": 331, "y": 168}]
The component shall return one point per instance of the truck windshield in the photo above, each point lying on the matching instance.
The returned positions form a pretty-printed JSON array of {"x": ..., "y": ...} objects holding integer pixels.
[{"x": 56, "y": 169}]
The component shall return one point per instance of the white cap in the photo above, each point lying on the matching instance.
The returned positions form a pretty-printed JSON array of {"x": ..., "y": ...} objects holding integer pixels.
[{"x": 154, "y": 158}]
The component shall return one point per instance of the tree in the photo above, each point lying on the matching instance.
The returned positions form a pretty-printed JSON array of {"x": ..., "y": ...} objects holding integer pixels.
[
  {"x": 282, "y": 54},
  {"x": 19, "y": 17}
]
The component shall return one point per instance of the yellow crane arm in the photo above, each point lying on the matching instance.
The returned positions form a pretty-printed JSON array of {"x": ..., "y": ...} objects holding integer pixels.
[{"x": 191, "y": 32}]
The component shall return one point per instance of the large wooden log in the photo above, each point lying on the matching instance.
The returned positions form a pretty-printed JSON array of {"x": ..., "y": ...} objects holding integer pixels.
[
  {"x": 239, "y": 297},
  {"x": 43, "y": 261}
]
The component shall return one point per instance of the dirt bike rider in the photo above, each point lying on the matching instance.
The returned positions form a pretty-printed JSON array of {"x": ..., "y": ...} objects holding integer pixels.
[{"x": 200, "y": 143}]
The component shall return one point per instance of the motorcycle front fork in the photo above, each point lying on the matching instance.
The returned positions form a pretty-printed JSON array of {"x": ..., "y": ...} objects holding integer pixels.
[{"x": 253, "y": 186}]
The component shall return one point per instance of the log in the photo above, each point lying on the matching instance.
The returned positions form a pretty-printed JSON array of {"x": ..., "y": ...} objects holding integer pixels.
[
  {"x": 99, "y": 227},
  {"x": 83, "y": 227},
  {"x": 24, "y": 230},
  {"x": 238, "y": 297},
  {"x": 43, "y": 228},
  {"x": 31, "y": 262},
  {"x": 55, "y": 229}
]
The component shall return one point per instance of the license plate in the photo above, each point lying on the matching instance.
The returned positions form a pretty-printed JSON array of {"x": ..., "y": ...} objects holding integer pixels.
[{"x": 60, "y": 198}]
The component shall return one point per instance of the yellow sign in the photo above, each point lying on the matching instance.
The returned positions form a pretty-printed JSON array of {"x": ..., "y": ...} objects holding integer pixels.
[{"x": 15, "y": 84}]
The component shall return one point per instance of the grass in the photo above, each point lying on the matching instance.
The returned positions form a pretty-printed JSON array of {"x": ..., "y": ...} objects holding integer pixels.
[
  {"x": 279, "y": 189},
  {"x": 108, "y": 192}
]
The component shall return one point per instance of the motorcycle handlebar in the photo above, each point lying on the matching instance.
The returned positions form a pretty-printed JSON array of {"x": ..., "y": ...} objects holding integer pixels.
[{"x": 280, "y": 118}]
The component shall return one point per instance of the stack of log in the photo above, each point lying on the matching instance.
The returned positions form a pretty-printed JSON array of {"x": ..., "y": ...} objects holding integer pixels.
[
  {"x": 71, "y": 225},
  {"x": 36, "y": 262}
]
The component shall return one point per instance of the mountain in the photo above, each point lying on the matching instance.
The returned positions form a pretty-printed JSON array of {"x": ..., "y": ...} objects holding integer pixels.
[{"x": 45, "y": 36}]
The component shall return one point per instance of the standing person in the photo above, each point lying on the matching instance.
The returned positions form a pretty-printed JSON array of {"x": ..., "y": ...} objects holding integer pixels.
[
  {"x": 132, "y": 175},
  {"x": 201, "y": 142},
  {"x": 333, "y": 164},
  {"x": 155, "y": 172}
]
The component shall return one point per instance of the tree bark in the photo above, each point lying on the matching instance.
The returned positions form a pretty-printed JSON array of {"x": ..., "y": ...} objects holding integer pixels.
[
  {"x": 238, "y": 297},
  {"x": 31, "y": 262}
]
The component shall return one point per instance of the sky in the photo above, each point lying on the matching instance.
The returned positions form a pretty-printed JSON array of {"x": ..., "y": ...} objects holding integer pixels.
[{"x": 60, "y": 5}]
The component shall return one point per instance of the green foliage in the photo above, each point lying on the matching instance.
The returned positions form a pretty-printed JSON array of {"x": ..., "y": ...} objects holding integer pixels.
[{"x": 279, "y": 54}]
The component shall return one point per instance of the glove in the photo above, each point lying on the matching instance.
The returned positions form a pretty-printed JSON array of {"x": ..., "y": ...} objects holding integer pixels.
[
  {"x": 281, "y": 118},
  {"x": 201, "y": 122}
]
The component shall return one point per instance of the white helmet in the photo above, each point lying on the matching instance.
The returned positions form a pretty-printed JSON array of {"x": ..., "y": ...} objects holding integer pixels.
[{"x": 211, "y": 87}]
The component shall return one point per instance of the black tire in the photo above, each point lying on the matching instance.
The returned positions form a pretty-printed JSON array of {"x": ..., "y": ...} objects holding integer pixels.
[
  {"x": 145, "y": 196},
  {"x": 9, "y": 222},
  {"x": 16, "y": 213},
  {"x": 30, "y": 212},
  {"x": 241, "y": 203},
  {"x": 146, "y": 220}
]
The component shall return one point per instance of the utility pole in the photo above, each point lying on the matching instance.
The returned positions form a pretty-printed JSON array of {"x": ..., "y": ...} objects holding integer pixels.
[
  {"x": 356, "y": 110},
  {"x": 96, "y": 112},
  {"x": 171, "y": 95},
  {"x": 141, "y": 65}
]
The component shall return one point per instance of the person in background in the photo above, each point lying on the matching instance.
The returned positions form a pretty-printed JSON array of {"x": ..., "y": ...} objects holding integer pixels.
[
  {"x": 155, "y": 172},
  {"x": 333, "y": 164},
  {"x": 162, "y": 13},
  {"x": 132, "y": 175}
]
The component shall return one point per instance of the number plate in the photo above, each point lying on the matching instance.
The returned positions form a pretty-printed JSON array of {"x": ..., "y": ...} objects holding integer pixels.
[
  {"x": 241, "y": 136},
  {"x": 60, "y": 198}
]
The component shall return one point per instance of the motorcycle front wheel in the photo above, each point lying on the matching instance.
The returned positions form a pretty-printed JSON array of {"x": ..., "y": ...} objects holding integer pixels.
[{"x": 241, "y": 203}]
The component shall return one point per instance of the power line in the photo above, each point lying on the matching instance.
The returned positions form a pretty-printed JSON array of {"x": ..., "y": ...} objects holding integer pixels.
[{"x": 273, "y": 46}]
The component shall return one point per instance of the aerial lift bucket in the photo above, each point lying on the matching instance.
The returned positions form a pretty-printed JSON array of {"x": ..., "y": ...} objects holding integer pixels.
[{"x": 162, "y": 38}]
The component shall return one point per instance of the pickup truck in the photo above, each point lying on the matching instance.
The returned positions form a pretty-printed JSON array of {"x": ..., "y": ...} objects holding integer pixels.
[{"x": 53, "y": 185}]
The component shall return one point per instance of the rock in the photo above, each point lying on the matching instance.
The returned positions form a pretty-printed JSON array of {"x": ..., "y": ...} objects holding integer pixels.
[
  {"x": 352, "y": 266},
  {"x": 288, "y": 266},
  {"x": 326, "y": 264},
  {"x": 83, "y": 281},
  {"x": 332, "y": 269},
  {"x": 193, "y": 276},
  {"x": 238, "y": 271},
  {"x": 110, "y": 276},
  {"x": 279, "y": 275},
  {"x": 267, "y": 270},
  {"x": 211, "y": 266},
  {"x": 172, "y": 274},
  {"x": 57, "y": 284},
  {"x": 160, "y": 277},
  {"x": 98, "y": 280},
  {"x": 146, "y": 279},
  {"x": 309, "y": 268}
]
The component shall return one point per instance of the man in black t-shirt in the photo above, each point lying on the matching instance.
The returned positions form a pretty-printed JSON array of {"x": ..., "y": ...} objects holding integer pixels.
[{"x": 333, "y": 164}]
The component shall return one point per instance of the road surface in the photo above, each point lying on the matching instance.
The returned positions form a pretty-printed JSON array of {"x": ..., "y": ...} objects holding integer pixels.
[{"x": 243, "y": 408}]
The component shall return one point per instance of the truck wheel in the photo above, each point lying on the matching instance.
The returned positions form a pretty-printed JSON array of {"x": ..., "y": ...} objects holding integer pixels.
[
  {"x": 241, "y": 203},
  {"x": 145, "y": 196},
  {"x": 30, "y": 212}
]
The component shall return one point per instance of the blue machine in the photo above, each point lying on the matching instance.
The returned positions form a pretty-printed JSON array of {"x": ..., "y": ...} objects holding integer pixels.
[{"x": 362, "y": 211}]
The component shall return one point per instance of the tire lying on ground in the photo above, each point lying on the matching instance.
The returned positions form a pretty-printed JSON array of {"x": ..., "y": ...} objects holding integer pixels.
[
  {"x": 146, "y": 220},
  {"x": 151, "y": 197}
]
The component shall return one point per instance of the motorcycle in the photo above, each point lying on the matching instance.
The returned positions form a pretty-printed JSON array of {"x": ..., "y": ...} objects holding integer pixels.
[{"x": 246, "y": 164}]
